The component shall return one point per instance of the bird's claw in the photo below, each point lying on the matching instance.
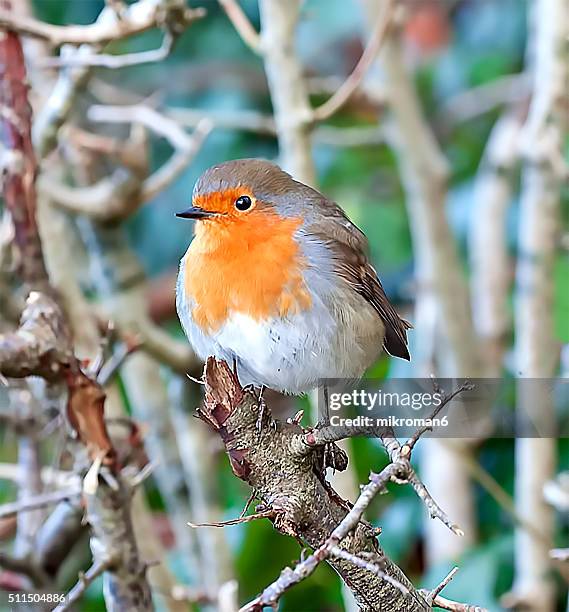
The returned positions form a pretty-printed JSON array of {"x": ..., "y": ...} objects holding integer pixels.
[{"x": 335, "y": 457}]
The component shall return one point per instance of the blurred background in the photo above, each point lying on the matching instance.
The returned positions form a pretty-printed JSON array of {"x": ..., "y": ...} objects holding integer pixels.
[{"x": 448, "y": 103}]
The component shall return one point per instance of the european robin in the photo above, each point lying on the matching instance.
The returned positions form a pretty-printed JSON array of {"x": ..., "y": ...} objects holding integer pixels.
[{"x": 277, "y": 281}]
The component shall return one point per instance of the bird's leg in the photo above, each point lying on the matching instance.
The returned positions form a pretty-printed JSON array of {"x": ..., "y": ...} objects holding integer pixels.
[
  {"x": 262, "y": 409},
  {"x": 334, "y": 456}
]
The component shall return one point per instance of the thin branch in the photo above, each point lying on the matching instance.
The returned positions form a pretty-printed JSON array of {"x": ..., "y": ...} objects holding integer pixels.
[
  {"x": 289, "y": 577},
  {"x": 261, "y": 123},
  {"x": 447, "y": 398},
  {"x": 185, "y": 146},
  {"x": 38, "y": 501},
  {"x": 50, "y": 476},
  {"x": 140, "y": 17},
  {"x": 466, "y": 105},
  {"x": 145, "y": 115},
  {"x": 169, "y": 172},
  {"x": 117, "y": 196},
  {"x": 112, "y": 366},
  {"x": 245, "y": 120},
  {"x": 85, "y": 580},
  {"x": 446, "y": 580},
  {"x": 343, "y": 94},
  {"x": 112, "y": 197},
  {"x": 104, "y": 60},
  {"x": 241, "y": 23},
  {"x": 455, "y": 606},
  {"x": 238, "y": 521},
  {"x": 433, "y": 508}
]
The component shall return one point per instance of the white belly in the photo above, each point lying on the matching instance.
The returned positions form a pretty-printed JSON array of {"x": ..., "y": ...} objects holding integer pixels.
[{"x": 337, "y": 338}]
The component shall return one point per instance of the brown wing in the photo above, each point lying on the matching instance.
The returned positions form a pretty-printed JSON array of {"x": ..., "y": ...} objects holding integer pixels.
[{"x": 349, "y": 245}]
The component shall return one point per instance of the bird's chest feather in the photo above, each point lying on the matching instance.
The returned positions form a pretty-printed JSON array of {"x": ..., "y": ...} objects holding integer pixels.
[{"x": 253, "y": 267}]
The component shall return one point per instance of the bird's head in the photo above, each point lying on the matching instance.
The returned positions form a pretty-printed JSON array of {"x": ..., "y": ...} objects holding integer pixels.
[{"x": 243, "y": 192}]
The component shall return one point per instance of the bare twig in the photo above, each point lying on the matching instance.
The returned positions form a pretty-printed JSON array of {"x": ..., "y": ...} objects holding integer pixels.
[
  {"x": 117, "y": 196},
  {"x": 113, "y": 197},
  {"x": 435, "y": 511},
  {"x": 38, "y": 501},
  {"x": 182, "y": 157},
  {"x": 430, "y": 595},
  {"x": 19, "y": 163},
  {"x": 85, "y": 580},
  {"x": 50, "y": 477},
  {"x": 446, "y": 398},
  {"x": 145, "y": 115},
  {"x": 434, "y": 599},
  {"x": 185, "y": 146},
  {"x": 240, "y": 21},
  {"x": 112, "y": 366},
  {"x": 465, "y": 105},
  {"x": 455, "y": 606},
  {"x": 238, "y": 521},
  {"x": 302, "y": 501},
  {"x": 260, "y": 123},
  {"x": 112, "y": 61},
  {"x": 303, "y": 569},
  {"x": 343, "y": 94},
  {"x": 139, "y": 17},
  {"x": 168, "y": 350}
]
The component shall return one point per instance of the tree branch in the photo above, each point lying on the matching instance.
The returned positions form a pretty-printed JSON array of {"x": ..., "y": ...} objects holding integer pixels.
[
  {"x": 291, "y": 105},
  {"x": 537, "y": 349},
  {"x": 38, "y": 501},
  {"x": 85, "y": 580},
  {"x": 185, "y": 146},
  {"x": 241, "y": 23},
  {"x": 116, "y": 197},
  {"x": 113, "y": 61},
  {"x": 306, "y": 507},
  {"x": 138, "y": 18},
  {"x": 349, "y": 86},
  {"x": 19, "y": 162}
]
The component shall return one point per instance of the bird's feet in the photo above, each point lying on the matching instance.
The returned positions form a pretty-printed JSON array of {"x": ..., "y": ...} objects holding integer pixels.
[
  {"x": 264, "y": 417},
  {"x": 334, "y": 457}
]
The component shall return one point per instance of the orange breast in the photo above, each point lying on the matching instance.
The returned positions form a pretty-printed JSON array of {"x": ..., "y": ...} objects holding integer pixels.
[{"x": 250, "y": 265}]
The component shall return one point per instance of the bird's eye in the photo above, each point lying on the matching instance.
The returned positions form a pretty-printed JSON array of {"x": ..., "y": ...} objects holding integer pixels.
[{"x": 243, "y": 202}]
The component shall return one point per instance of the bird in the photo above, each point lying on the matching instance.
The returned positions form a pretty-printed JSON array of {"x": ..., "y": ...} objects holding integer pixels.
[{"x": 277, "y": 281}]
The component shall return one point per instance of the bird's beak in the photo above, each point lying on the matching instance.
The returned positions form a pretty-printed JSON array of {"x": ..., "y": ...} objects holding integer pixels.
[{"x": 195, "y": 212}]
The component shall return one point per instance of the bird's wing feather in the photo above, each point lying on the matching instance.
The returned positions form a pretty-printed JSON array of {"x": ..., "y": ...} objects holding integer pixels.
[{"x": 349, "y": 246}]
